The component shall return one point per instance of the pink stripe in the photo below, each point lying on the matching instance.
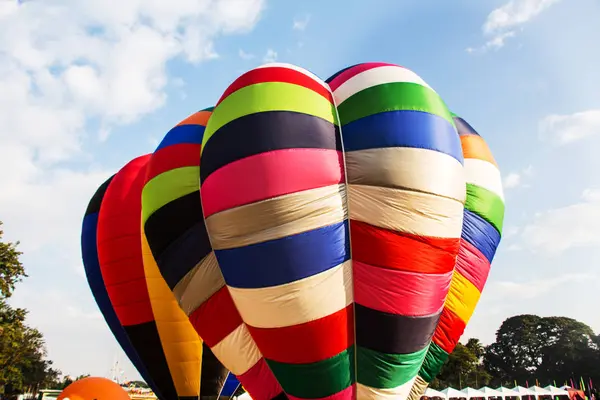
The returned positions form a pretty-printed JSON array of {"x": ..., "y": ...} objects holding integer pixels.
[
  {"x": 259, "y": 381},
  {"x": 472, "y": 265},
  {"x": 351, "y": 72},
  {"x": 271, "y": 174},
  {"x": 347, "y": 394},
  {"x": 399, "y": 292}
]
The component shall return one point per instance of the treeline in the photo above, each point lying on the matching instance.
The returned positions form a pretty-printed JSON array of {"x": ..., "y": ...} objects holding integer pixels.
[{"x": 528, "y": 350}]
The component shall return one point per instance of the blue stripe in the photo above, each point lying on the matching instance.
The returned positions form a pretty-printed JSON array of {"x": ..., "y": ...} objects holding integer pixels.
[
  {"x": 285, "y": 260},
  {"x": 481, "y": 234},
  {"x": 91, "y": 264},
  {"x": 230, "y": 386},
  {"x": 463, "y": 127},
  {"x": 403, "y": 128},
  {"x": 190, "y": 134}
]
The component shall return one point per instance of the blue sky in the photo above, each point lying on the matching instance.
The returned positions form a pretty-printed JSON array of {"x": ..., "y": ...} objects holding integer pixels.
[{"x": 85, "y": 88}]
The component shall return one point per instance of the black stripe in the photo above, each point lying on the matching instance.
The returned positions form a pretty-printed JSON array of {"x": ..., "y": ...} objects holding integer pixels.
[
  {"x": 177, "y": 237},
  {"x": 281, "y": 396},
  {"x": 144, "y": 337},
  {"x": 391, "y": 333},
  {"x": 332, "y": 77},
  {"x": 213, "y": 375},
  {"x": 266, "y": 131},
  {"x": 96, "y": 201}
]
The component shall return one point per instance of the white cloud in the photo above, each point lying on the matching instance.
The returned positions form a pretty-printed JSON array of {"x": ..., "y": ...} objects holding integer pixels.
[
  {"x": 270, "y": 56},
  {"x": 504, "y": 22},
  {"x": 560, "y": 229},
  {"x": 245, "y": 56},
  {"x": 71, "y": 70},
  {"x": 300, "y": 23},
  {"x": 565, "y": 129},
  {"x": 518, "y": 179}
]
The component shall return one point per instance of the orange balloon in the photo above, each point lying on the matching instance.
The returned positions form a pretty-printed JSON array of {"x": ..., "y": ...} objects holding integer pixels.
[{"x": 94, "y": 389}]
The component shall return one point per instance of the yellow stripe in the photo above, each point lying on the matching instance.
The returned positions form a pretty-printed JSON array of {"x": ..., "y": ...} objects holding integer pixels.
[
  {"x": 462, "y": 297},
  {"x": 181, "y": 344}
]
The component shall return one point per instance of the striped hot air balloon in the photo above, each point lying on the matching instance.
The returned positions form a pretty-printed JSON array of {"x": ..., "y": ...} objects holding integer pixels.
[
  {"x": 406, "y": 188},
  {"x": 145, "y": 307},
  {"x": 89, "y": 252},
  {"x": 274, "y": 198},
  {"x": 174, "y": 225},
  {"x": 482, "y": 229}
]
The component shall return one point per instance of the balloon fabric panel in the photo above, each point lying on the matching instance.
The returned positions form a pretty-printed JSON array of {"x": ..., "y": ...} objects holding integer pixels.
[
  {"x": 482, "y": 228},
  {"x": 93, "y": 274},
  {"x": 122, "y": 266},
  {"x": 406, "y": 188},
  {"x": 174, "y": 223},
  {"x": 273, "y": 194}
]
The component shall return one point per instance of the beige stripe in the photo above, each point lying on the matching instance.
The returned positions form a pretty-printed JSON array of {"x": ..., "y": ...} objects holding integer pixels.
[
  {"x": 484, "y": 174},
  {"x": 368, "y": 393},
  {"x": 418, "y": 389},
  {"x": 422, "y": 170},
  {"x": 204, "y": 280},
  {"x": 237, "y": 351},
  {"x": 277, "y": 217},
  {"x": 298, "y": 302},
  {"x": 406, "y": 211}
]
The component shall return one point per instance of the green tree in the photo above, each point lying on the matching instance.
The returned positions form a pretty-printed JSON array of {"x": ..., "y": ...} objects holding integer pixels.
[
  {"x": 11, "y": 268},
  {"x": 463, "y": 368}
]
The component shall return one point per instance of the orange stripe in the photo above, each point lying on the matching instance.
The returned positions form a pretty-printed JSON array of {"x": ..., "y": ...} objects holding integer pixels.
[
  {"x": 199, "y": 118},
  {"x": 475, "y": 147}
]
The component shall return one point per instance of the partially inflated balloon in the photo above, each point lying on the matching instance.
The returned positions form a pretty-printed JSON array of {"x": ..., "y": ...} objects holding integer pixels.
[
  {"x": 156, "y": 327},
  {"x": 274, "y": 199},
  {"x": 174, "y": 225},
  {"x": 92, "y": 388},
  {"x": 482, "y": 229},
  {"x": 93, "y": 274},
  {"x": 406, "y": 188}
]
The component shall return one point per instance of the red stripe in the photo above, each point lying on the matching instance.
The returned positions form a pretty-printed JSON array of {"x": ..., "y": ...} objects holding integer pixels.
[
  {"x": 268, "y": 175},
  {"x": 388, "y": 249},
  {"x": 309, "y": 342},
  {"x": 472, "y": 265},
  {"x": 357, "y": 69},
  {"x": 173, "y": 157},
  {"x": 216, "y": 318},
  {"x": 276, "y": 74},
  {"x": 119, "y": 245},
  {"x": 448, "y": 331}
]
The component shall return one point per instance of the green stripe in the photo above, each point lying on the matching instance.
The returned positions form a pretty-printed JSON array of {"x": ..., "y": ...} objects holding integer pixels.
[
  {"x": 434, "y": 361},
  {"x": 269, "y": 96},
  {"x": 387, "y": 371},
  {"x": 167, "y": 187},
  {"x": 393, "y": 97},
  {"x": 326, "y": 377},
  {"x": 488, "y": 205}
]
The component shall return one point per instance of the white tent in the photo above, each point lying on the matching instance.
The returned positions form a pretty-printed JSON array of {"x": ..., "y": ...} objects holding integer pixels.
[
  {"x": 434, "y": 393},
  {"x": 473, "y": 393},
  {"x": 554, "y": 391},
  {"x": 453, "y": 393},
  {"x": 489, "y": 392},
  {"x": 540, "y": 391},
  {"x": 506, "y": 392},
  {"x": 523, "y": 391}
]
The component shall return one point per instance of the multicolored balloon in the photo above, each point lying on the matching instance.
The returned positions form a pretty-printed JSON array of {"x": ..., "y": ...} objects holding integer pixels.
[
  {"x": 481, "y": 233},
  {"x": 406, "y": 188},
  {"x": 174, "y": 224},
  {"x": 154, "y": 323}
]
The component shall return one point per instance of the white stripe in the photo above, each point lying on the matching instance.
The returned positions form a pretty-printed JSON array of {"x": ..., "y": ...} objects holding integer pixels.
[
  {"x": 373, "y": 77},
  {"x": 485, "y": 174},
  {"x": 368, "y": 393},
  {"x": 422, "y": 170},
  {"x": 298, "y": 69},
  {"x": 400, "y": 210},
  {"x": 298, "y": 302},
  {"x": 237, "y": 351}
]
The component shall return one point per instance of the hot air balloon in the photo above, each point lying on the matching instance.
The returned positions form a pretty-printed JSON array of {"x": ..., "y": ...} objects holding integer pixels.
[
  {"x": 156, "y": 327},
  {"x": 93, "y": 274},
  {"x": 273, "y": 195},
  {"x": 482, "y": 229},
  {"x": 174, "y": 226},
  {"x": 406, "y": 188},
  {"x": 92, "y": 388}
]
